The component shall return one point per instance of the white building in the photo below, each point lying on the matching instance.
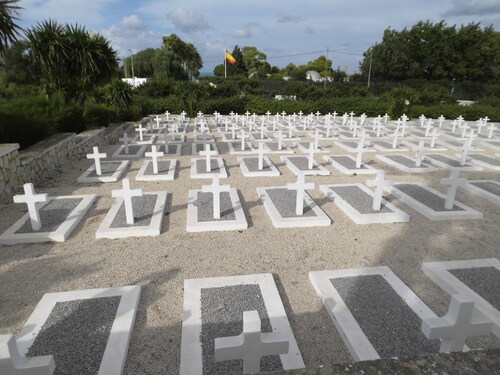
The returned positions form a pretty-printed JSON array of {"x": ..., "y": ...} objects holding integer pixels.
[{"x": 135, "y": 82}]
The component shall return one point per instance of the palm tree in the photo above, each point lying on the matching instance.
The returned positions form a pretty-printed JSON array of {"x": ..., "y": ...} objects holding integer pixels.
[{"x": 9, "y": 30}]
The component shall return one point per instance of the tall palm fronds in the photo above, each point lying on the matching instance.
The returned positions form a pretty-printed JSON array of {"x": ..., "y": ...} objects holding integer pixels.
[{"x": 9, "y": 30}]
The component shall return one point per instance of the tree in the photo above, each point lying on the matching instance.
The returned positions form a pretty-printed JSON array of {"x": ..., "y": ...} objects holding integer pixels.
[
  {"x": 9, "y": 30},
  {"x": 119, "y": 94},
  {"x": 322, "y": 65},
  {"x": 240, "y": 67},
  {"x": 255, "y": 60},
  {"x": 166, "y": 65},
  {"x": 186, "y": 53},
  {"x": 143, "y": 66}
]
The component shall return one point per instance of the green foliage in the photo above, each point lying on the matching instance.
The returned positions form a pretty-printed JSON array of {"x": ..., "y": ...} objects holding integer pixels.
[
  {"x": 401, "y": 100},
  {"x": 118, "y": 94},
  {"x": 186, "y": 53},
  {"x": 240, "y": 67},
  {"x": 9, "y": 30},
  {"x": 143, "y": 66},
  {"x": 452, "y": 111},
  {"x": 97, "y": 115}
]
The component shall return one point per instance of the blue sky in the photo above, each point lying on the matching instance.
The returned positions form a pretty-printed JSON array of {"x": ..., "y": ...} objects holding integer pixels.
[{"x": 276, "y": 27}]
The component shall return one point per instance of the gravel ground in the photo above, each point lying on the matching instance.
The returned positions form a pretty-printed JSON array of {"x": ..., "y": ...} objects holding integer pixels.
[
  {"x": 359, "y": 199},
  {"x": 404, "y": 160},
  {"x": 143, "y": 209},
  {"x": 426, "y": 197},
  {"x": 160, "y": 264},
  {"x": 481, "y": 280}
]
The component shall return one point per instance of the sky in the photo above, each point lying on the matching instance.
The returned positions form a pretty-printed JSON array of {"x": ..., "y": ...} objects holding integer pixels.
[{"x": 287, "y": 31}]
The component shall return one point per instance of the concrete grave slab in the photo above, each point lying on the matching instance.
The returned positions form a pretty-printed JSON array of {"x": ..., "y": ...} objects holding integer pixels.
[
  {"x": 203, "y": 321},
  {"x": 176, "y": 138},
  {"x": 56, "y": 325},
  {"x": 250, "y": 167},
  {"x": 430, "y": 202},
  {"x": 377, "y": 315},
  {"x": 58, "y": 216},
  {"x": 200, "y": 212},
  {"x": 386, "y": 146},
  {"x": 172, "y": 149},
  {"x": 351, "y": 146},
  {"x": 203, "y": 138},
  {"x": 299, "y": 164},
  {"x": 456, "y": 145},
  {"x": 304, "y": 147},
  {"x": 347, "y": 164},
  {"x": 197, "y": 147},
  {"x": 199, "y": 168},
  {"x": 405, "y": 163},
  {"x": 414, "y": 144},
  {"x": 444, "y": 161},
  {"x": 166, "y": 170},
  {"x": 476, "y": 279},
  {"x": 487, "y": 189},
  {"x": 484, "y": 161},
  {"x": 147, "y": 139},
  {"x": 491, "y": 144},
  {"x": 134, "y": 152},
  {"x": 111, "y": 171},
  {"x": 279, "y": 203},
  {"x": 273, "y": 148},
  {"x": 356, "y": 201},
  {"x": 235, "y": 148},
  {"x": 148, "y": 214}
]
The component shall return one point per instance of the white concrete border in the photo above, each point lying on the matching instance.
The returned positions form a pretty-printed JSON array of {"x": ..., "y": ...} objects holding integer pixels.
[
  {"x": 284, "y": 149},
  {"x": 356, "y": 341},
  {"x": 429, "y": 212},
  {"x": 191, "y": 350},
  {"x": 493, "y": 198},
  {"x": 351, "y": 149},
  {"x": 441, "y": 164},
  {"x": 115, "y": 354},
  {"x": 148, "y": 139},
  {"x": 176, "y": 138},
  {"x": 169, "y": 176},
  {"x": 222, "y": 169},
  {"x": 119, "y": 153},
  {"x": 213, "y": 147},
  {"x": 386, "y": 149},
  {"x": 413, "y": 144},
  {"x": 122, "y": 167},
  {"x": 193, "y": 225},
  {"x": 320, "y": 220},
  {"x": 264, "y": 173},
  {"x": 196, "y": 140},
  {"x": 396, "y": 216},
  {"x": 438, "y": 272},
  {"x": 10, "y": 237},
  {"x": 153, "y": 229},
  {"x": 489, "y": 145},
  {"x": 366, "y": 169},
  {"x": 301, "y": 147},
  {"x": 424, "y": 168},
  {"x": 318, "y": 171},
  {"x": 178, "y": 149},
  {"x": 482, "y": 163},
  {"x": 237, "y": 150}
]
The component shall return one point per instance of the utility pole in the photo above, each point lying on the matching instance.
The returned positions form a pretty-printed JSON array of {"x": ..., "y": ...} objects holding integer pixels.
[
  {"x": 132, "y": 59},
  {"x": 370, "y": 70}
]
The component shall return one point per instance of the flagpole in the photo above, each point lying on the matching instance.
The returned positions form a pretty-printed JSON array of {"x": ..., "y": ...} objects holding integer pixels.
[{"x": 225, "y": 66}]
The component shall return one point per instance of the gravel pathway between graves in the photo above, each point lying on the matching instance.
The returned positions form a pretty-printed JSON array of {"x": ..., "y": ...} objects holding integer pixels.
[
  {"x": 86, "y": 322},
  {"x": 222, "y": 316},
  {"x": 161, "y": 264}
]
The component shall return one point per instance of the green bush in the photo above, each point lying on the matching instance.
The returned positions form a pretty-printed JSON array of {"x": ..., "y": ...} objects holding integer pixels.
[
  {"x": 223, "y": 105},
  {"x": 97, "y": 115},
  {"x": 452, "y": 111}
]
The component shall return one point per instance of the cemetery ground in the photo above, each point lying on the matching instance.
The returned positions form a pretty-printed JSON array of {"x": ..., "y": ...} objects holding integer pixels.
[{"x": 161, "y": 264}]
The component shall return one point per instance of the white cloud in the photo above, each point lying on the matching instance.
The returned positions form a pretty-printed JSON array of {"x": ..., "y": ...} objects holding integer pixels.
[
  {"x": 187, "y": 21},
  {"x": 245, "y": 32},
  {"x": 473, "y": 8}
]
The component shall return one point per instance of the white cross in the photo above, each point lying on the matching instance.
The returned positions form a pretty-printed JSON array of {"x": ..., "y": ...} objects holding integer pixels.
[
  {"x": 207, "y": 153},
  {"x": 328, "y": 128},
  {"x": 251, "y": 345},
  {"x": 154, "y": 154},
  {"x": 351, "y": 114},
  {"x": 404, "y": 118},
  {"x": 280, "y": 137},
  {"x": 13, "y": 363},
  {"x": 301, "y": 186},
  {"x": 243, "y": 136},
  {"x": 216, "y": 189},
  {"x": 454, "y": 125},
  {"x": 464, "y": 130},
  {"x": 125, "y": 141},
  {"x": 283, "y": 114},
  {"x": 434, "y": 136},
  {"x": 310, "y": 158},
  {"x": 141, "y": 130},
  {"x": 97, "y": 159},
  {"x": 316, "y": 138},
  {"x": 491, "y": 130},
  {"x": 454, "y": 182},
  {"x": 441, "y": 120},
  {"x": 359, "y": 154},
  {"x": 386, "y": 117},
  {"x": 419, "y": 156},
  {"x": 247, "y": 113},
  {"x": 379, "y": 182},
  {"x": 464, "y": 150},
  {"x": 422, "y": 119},
  {"x": 260, "y": 151},
  {"x": 395, "y": 137},
  {"x": 31, "y": 199},
  {"x": 262, "y": 127},
  {"x": 199, "y": 114},
  {"x": 428, "y": 127},
  {"x": 127, "y": 194},
  {"x": 460, "y": 120},
  {"x": 268, "y": 114},
  {"x": 290, "y": 130},
  {"x": 167, "y": 113},
  {"x": 456, "y": 326},
  {"x": 486, "y": 119}
]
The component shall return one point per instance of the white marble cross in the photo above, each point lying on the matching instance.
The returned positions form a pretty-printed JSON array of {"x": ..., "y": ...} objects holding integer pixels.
[
  {"x": 216, "y": 189},
  {"x": 243, "y": 136},
  {"x": 127, "y": 194},
  {"x": 359, "y": 154},
  {"x": 207, "y": 153},
  {"x": 395, "y": 136},
  {"x": 441, "y": 120},
  {"x": 268, "y": 114},
  {"x": 262, "y": 128},
  {"x": 141, "y": 131},
  {"x": 301, "y": 186},
  {"x": 454, "y": 124},
  {"x": 428, "y": 127},
  {"x": 422, "y": 120},
  {"x": 290, "y": 129},
  {"x": 154, "y": 154},
  {"x": 261, "y": 152},
  {"x": 464, "y": 129},
  {"x": 31, "y": 199},
  {"x": 199, "y": 114},
  {"x": 13, "y": 363},
  {"x": 280, "y": 138},
  {"x": 317, "y": 136},
  {"x": 379, "y": 182},
  {"x": 386, "y": 117},
  {"x": 419, "y": 155},
  {"x": 464, "y": 150},
  {"x": 167, "y": 113},
  {"x": 97, "y": 159},
  {"x": 454, "y": 182},
  {"x": 125, "y": 141},
  {"x": 434, "y": 136},
  {"x": 310, "y": 159},
  {"x": 460, "y": 120},
  {"x": 251, "y": 345},
  {"x": 158, "y": 120},
  {"x": 456, "y": 326},
  {"x": 491, "y": 130}
]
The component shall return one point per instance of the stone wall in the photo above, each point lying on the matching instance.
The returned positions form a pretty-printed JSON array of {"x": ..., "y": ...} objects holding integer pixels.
[{"x": 45, "y": 159}]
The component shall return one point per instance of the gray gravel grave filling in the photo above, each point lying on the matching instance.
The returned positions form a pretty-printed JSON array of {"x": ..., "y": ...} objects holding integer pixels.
[
  {"x": 257, "y": 136},
  {"x": 237, "y": 146},
  {"x": 486, "y": 159},
  {"x": 205, "y": 205},
  {"x": 52, "y": 215},
  {"x": 201, "y": 166},
  {"x": 172, "y": 150},
  {"x": 201, "y": 147},
  {"x": 447, "y": 160},
  {"x": 485, "y": 281},
  {"x": 404, "y": 160},
  {"x": 163, "y": 167},
  {"x": 284, "y": 200},
  {"x": 132, "y": 150},
  {"x": 76, "y": 334},
  {"x": 388, "y": 322},
  {"x": 108, "y": 168},
  {"x": 253, "y": 165},
  {"x": 359, "y": 199},
  {"x": 143, "y": 208},
  {"x": 347, "y": 162},
  {"x": 426, "y": 197},
  {"x": 350, "y": 144},
  {"x": 222, "y": 316},
  {"x": 488, "y": 186},
  {"x": 384, "y": 144},
  {"x": 273, "y": 146},
  {"x": 302, "y": 163}
]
